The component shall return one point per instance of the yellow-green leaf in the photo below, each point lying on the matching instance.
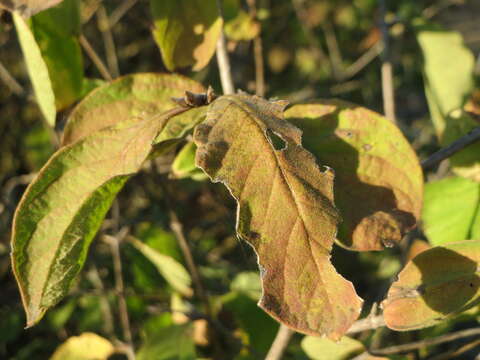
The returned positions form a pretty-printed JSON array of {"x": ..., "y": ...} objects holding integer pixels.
[
  {"x": 140, "y": 95},
  {"x": 184, "y": 164},
  {"x": 186, "y": 31},
  {"x": 378, "y": 179},
  {"x": 56, "y": 32},
  {"x": 173, "y": 272},
  {"x": 285, "y": 211},
  {"x": 449, "y": 81},
  {"x": 324, "y": 349},
  {"x": 37, "y": 69},
  {"x": 437, "y": 284},
  {"x": 87, "y": 346},
  {"x": 63, "y": 207},
  {"x": 451, "y": 211}
]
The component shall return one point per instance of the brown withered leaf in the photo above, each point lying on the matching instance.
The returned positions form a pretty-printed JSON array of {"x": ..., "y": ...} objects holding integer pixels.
[{"x": 285, "y": 211}]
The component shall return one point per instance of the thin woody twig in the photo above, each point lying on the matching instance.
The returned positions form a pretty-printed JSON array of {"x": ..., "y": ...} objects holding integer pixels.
[
  {"x": 95, "y": 58},
  {"x": 113, "y": 241},
  {"x": 457, "y": 352},
  {"x": 120, "y": 11},
  {"x": 460, "y": 144},
  {"x": 257, "y": 54},
  {"x": 10, "y": 81},
  {"x": 109, "y": 44},
  {"x": 223, "y": 60},
  {"x": 280, "y": 343},
  {"x": 369, "y": 323},
  {"x": 426, "y": 342},
  {"x": 387, "y": 72}
]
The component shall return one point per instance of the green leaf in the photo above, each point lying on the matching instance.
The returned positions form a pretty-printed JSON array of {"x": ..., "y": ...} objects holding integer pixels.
[
  {"x": 173, "y": 272},
  {"x": 259, "y": 328},
  {"x": 168, "y": 343},
  {"x": 184, "y": 164},
  {"x": 437, "y": 284},
  {"x": 247, "y": 283},
  {"x": 286, "y": 211},
  {"x": 138, "y": 95},
  {"x": 242, "y": 27},
  {"x": 66, "y": 203},
  {"x": 378, "y": 179},
  {"x": 451, "y": 210},
  {"x": 28, "y": 8},
  {"x": 186, "y": 31},
  {"x": 321, "y": 349},
  {"x": 56, "y": 33},
  {"x": 87, "y": 346},
  {"x": 448, "y": 70},
  {"x": 37, "y": 69}
]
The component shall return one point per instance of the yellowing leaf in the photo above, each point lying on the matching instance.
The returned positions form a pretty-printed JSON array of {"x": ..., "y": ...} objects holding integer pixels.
[
  {"x": 87, "y": 346},
  {"x": 37, "y": 69},
  {"x": 378, "y": 179},
  {"x": 184, "y": 164},
  {"x": 62, "y": 209},
  {"x": 437, "y": 284},
  {"x": 242, "y": 27},
  {"x": 139, "y": 95},
  {"x": 285, "y": 211},
  {"x": 173, "y": 272},
  {"x": 186, "y": 31}
]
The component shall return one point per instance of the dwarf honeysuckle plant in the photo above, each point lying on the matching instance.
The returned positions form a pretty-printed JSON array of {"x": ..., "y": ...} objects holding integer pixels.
[
  {"x": 305, "y": 176},
  {"x": 350, "y": 178}
]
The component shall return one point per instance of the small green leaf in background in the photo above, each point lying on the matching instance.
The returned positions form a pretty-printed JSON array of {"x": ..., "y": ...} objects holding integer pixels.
[
  {"x": 168, "y": 343},
  {"x": 378, "y": 179},
  {"x": 239, "y": 25},
  {"x": 184, "y": 164},
  {"x": 186, "y": 31},
  {"x": 285, "y": 211},
  {"x": 87, "y": 346},
  {"x": 451, "y": 210},
  {"x": 437, "y": 284},
  {"x": 448, "y": 70},
  {"x": 65, "y": 206},
  {"x": 139, "y": 95},
  {"x": 324, "y": 349},
  {"x": 173, "y": 272},
  {"x": 247, "y": 283},
  {"x": 37, "y": 70},
  {"x": 56, "y": 31}
]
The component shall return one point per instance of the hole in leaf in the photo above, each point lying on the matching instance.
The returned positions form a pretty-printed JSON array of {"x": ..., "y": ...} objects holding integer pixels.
[{"x": 277, "y": 142}]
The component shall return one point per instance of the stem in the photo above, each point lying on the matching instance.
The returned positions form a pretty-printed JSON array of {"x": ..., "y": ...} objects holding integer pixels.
[
  {"x": 108, "y": 42},
  {"x": 120, "y": 11},
  {"x": 280, "y": 343},
  {"x": 95, "y": 58},
  {"x": 387, "y": 72},
  {"x": 369, "y": 323},
  {"x": 466, "y": 140},
  {"x": 257, "y": 54},
  {"x": 223, "y": 60},
  {"x": 10, "y": 81},
  {"x": 113, "y": 241},
  {"x": 426, "y": 342}
]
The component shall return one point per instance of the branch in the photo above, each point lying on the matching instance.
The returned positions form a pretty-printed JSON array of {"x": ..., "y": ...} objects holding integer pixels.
[
  {"x": 369, "y": 323},
  {"x": 387, "y": 72},
  {"x": 95, "y": 58},
  {"x": 10, "y": 81},
  {"x": 222, "y": 59},
  {"x": 257, "y": 54},
  {"x": 460, "y": 144},
  {"x": 120, "y": 11},
  {"x": 108, "y": 42},
  {"x": 427, "y": 342},
  {"x": 280, "y": 343}
]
